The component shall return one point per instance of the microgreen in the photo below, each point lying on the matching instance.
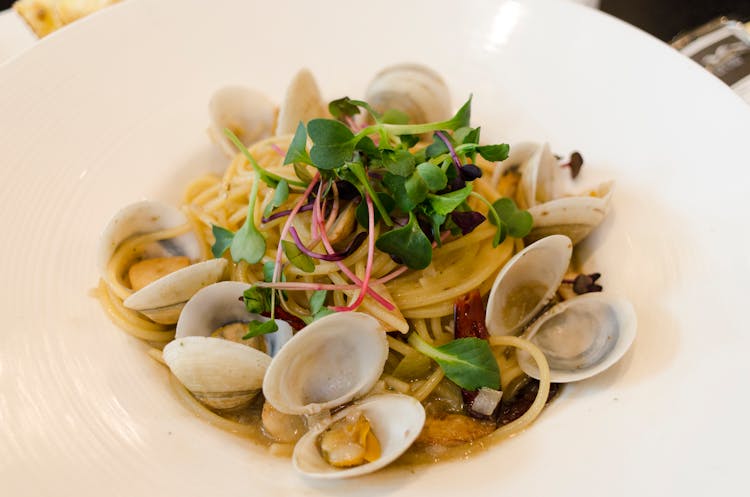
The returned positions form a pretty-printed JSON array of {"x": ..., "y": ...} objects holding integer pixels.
[
  {"x": 297, "y": 257},
  {"x": 399, "y": 162},
  {"x": 257, "y": 328},
  {"x": 342, "y": 107},
  {"x": 257, "y": 299},
  {"x": 468, "y": 362},
  {"x": 297, "y": 152},
  {"x": 444, "y": 204},
  {"x": 317, "y": 301},
  {"x": 434, "y": 177},
  {"x": 248, "y": 243},
  {"x": 425, "y": 186},
  {"x": 222, "y": 240},
  {"x": 280, "y": 194},
  {"x": 409, "y": 244},
  {"x": 519, "y": 222},
  {"x": 361, "y": 211},
  {"x": 333, "y": 143},
  {"x": 268, "y": 178},
  {"x": 494, "y": 153}
]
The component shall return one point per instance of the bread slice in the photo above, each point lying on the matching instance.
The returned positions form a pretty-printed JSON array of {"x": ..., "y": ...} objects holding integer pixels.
[{"x": 45, "y": 16}]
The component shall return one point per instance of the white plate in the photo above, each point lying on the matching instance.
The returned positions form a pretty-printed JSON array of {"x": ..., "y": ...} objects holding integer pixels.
[{"x": 113, "y": 109}]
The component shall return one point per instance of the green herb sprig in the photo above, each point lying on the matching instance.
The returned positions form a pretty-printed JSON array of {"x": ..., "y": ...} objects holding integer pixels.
[{"x": 467, "y": 362}]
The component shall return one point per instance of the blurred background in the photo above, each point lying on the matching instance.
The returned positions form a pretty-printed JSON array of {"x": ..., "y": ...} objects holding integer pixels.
[{"x": 664, "y": 19}]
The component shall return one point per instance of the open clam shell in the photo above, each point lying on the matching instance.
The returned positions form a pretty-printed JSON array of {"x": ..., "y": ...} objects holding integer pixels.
[
  {"x": 326, "y": 364},
  {"x": 396, "y": 421},
  {"x": 581, "y": 337},
  {"x": 163, "y": 300},
  {"x": 221, "y": 373},
  {"x": 220, "y": 304},
  {"x": 414, "y": 89},
  {"x": 526, "y": 284},
  {"x": 146, "y": 217}
]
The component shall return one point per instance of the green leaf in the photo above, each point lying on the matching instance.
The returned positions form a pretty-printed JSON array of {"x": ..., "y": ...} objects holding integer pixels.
[
  {"x": 519, "y": 221},
  {"x": 468, "y": 362},
  {"x": 494, "y": 153},
  {"x": 280, "y": 194},
  {"x": 395, "y": 185},
  {"x": 399, "y": 162},
  {"x": 437, "y": 147},
  {"x": 416, "y": 188},
  {"x": 317, "y": 301},
  {"x": 394, "y": 116},
  {"x": 355, "y": 173},
  {"x": 257, "y": 300},
  {"x": 409, "y": 141},
  {"x": 462, "y": 117},
  {"x": 257, "y": 328},
  {"x": 342, "y": 107},
  {"x": 361, "y": 211},
  {"x": 268, "y": 268},
  {"x": 324, "y": 311},
  {"x": 248, "y": 244},
  {"x": 333, "y": 143},
  {"x": 446, "y": 203},
  {"x": 297, "y": 257},
  {"x": 297, "y": 152},
  {"x": 433, "y": 176},
  {"x": 366, "y": 145},
  {"x": 466, "y": 134},
  {"x": 409, "y": 244},
  {"x": 223, "y": 239}
]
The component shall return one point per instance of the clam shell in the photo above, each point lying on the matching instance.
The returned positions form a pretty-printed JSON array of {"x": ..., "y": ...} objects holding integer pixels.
[
  {"x": 581, "y": 337},
  {"x": 249, "y": 114},
  {"x": 326, "y": 364},
  {"x": 163, "y": 300},
  {"x": 526, "y": 284},
  {"x": 302, "y": 102},
  {"x": 220, "y": 373},
  {"x": 396, "y": 420},
  {"x": 574, "y": 217},
  {"x": 414, "y": 89},
  {"x": 146, "y": 217},
  {"x": 220, "y": 304}
]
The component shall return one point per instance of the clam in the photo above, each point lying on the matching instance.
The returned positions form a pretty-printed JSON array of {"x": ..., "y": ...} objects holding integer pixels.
[
  {"x": 328, "y": 363},
  {"x": 580, "y": 337},
  {"x": 395, "y": 421},
  {"x": 527, "y": 283},
  {"x": 543, "y": 191},
  {"x": 164, "y": 276},
  {"x": 142, "y": 218},
  {"x": 163, "y": 300},
  {"x": 249, "y": 114},
  {"x": 574, "y": 217},
  {"x": 414, "y": 89},
  {"x": 221, "y": 373},
  {"x": 302, "y": 102}
]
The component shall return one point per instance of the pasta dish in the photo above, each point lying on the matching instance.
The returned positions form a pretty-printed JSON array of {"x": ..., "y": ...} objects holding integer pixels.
[{"x": 368, "y": 281}]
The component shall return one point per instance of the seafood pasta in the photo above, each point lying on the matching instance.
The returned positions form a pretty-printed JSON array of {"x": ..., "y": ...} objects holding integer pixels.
[{"x": 357, "y": 287}]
